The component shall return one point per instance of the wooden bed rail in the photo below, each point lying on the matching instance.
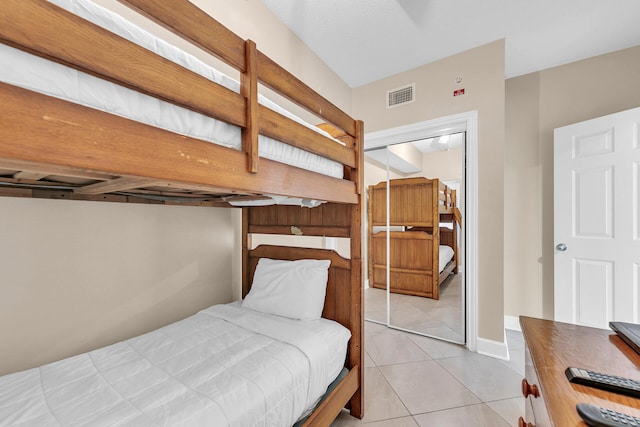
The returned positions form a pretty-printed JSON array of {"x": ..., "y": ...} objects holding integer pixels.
[
  {"x": 191, "y": 23},
  {"x": 35, "y": 26},
  {"x": 447, "y": 197},
  {"x": 92, "y": 138},
  {"x": 44, "y": 29}
]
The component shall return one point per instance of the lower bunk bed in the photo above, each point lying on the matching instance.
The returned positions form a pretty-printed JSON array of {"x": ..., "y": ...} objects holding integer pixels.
[
  {"x": 262, "y": 361},
  {"x": 412, "y": 270}
]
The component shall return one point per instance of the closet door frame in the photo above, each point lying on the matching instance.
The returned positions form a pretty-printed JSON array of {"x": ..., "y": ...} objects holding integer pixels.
[{"x": 463, "y": 122}]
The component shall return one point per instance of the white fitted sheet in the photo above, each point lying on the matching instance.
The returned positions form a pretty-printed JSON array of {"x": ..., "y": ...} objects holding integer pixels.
[
  {"x": 225, "y": 365},
  {"x": 40, "y": 75},
  {"x": 445, "y": 254}
]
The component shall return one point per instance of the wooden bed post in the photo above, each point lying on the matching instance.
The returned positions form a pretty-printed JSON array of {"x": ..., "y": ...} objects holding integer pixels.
[
  {"x": 454, "y": 225},
  {"x": 357, "y": 297},
  {"x": 249, "y": 88},
  {"x": 435, "y": 188},
  {"x": 245, "y": 251},
  {"x": 369, "y": 237}
]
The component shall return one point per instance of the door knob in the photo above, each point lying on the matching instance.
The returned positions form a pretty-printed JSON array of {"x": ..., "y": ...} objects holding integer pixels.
[
  {"x": 529, "y": 389},
  {"x": 561, "y": 247}
]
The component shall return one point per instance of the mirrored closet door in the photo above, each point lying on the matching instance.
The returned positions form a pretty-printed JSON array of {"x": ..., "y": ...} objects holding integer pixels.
[
  {"x": 376, "y": 301},
  {"x": 414, "y": 237}
]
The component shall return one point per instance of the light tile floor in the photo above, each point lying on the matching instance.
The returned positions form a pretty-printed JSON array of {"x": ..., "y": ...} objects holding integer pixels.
[
  {"x": 415, "y": 381},
  {"x": 442, "y": 318}
]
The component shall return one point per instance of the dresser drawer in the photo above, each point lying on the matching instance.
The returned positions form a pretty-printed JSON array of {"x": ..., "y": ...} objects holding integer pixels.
[{"x": 535, "y": 408}]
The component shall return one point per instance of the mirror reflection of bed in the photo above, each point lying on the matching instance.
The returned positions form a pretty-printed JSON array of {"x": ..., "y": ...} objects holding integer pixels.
[{"x": 425, "y": 250}]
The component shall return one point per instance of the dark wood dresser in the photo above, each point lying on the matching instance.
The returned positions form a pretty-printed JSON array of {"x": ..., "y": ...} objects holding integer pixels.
[{"x": 550, "y": 347}]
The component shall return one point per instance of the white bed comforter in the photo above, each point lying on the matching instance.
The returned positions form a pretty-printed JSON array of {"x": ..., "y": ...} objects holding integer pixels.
[{"x": 223, "y": 366}]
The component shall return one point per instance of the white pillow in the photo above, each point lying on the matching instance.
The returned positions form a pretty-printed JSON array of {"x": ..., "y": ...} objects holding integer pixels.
[{"x": 294, "y": 289}]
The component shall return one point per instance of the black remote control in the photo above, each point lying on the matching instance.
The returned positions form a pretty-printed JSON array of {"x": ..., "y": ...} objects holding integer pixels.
[
  {"x": 596, "y": 416},
  {"x": 603, "y": 381}
]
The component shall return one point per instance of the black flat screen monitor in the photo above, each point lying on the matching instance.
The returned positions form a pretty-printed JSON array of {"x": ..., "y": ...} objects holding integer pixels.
[{"x": 628, "y": 332}]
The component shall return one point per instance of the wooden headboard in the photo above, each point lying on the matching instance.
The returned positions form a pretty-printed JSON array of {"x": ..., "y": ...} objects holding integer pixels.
[{"x": 337, "y": 305}]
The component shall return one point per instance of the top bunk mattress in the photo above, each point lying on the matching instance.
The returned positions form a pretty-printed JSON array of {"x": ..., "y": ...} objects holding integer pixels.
[
  {"x": 225, "y": 365},
  {"x": 35, "y": 73}
]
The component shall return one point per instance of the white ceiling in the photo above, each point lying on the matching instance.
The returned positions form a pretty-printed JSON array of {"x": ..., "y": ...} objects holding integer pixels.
[
  {"x": 367, "y": 40},
  {"x": 440, "y": 143}
]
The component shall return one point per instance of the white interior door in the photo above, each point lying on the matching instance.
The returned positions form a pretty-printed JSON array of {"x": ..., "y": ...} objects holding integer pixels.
[{"x": 596, "y": 196}]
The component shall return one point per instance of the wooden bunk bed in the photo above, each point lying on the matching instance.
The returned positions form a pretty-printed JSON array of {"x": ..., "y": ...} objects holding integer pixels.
[
  {"x": 420, "y": 207},
  {"x": 57, "y": 149}
]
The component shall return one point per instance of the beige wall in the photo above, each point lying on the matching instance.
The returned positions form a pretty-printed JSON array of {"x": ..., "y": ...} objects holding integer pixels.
[
  {"x": 482, "y": 70},
  {"x": 446, "y": 165},
  {"x": 538, "y": 103},
  {"x": 79, "y": 275},
  {"x": 407, "y": 152}
]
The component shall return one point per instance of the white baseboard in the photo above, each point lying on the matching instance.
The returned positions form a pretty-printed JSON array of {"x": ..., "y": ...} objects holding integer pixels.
[
  {"x": 512, "y": 323},
  {"x": 499, "y": 350},
  {"x": 496, "y": 349}
]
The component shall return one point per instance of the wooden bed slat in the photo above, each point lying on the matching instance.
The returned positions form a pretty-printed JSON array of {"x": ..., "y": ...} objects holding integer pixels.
[
  {"x": 28, "y": 24},
  {"x": 51, "y": 189},
  {"x": 48, "y": 169},
  {"x": 15, "y": 192},
  {"x": 292, "y": 253},
  {"x": 277, "y": 78},
  {"x": 118, "y": 198},
  {"x": 30, "y": 175},
  {"x": 328, "y": 215},
  {"x": 24, "y": 182},
  {"x": 293, "y": 133},
  {"x": 304, "y": 231},
  {"x": 118, "y": 184}
]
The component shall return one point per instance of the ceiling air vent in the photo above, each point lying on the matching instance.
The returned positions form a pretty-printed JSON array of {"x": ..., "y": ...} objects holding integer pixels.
[{"x": 401, "y": 96}]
